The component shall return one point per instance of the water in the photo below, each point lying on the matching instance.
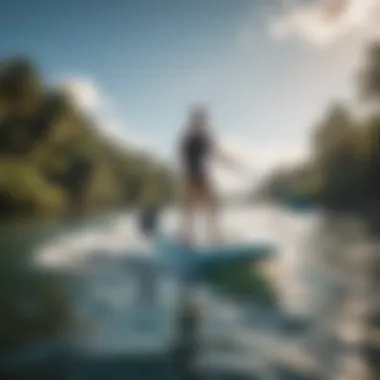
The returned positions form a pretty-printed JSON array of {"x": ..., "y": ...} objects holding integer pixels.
[{"x": 89, "y": 294}]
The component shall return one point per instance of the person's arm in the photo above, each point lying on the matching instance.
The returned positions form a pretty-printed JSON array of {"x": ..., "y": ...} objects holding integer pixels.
[
  {"x": 221, "y": 155},
  {"x": 226, "y": 159}
]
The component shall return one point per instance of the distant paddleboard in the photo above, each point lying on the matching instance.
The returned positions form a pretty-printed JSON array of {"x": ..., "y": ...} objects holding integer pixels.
[{"x": 184, "y": 258}]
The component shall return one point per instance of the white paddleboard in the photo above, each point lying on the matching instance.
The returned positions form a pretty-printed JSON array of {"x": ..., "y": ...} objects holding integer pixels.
[{"x": 182, "y": 257}]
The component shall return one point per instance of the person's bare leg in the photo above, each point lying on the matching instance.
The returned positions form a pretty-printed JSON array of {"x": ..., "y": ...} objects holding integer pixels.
[
  {"x": 212, "y": 214},
  {"x": 188, "y": 225},
  {"x": 188, "y": 217}
]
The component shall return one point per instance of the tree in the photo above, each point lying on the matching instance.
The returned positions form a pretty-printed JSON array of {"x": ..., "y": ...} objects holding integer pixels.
[
  {"x": 335, "y": 133},
  {"x": 20, "y": 88}
]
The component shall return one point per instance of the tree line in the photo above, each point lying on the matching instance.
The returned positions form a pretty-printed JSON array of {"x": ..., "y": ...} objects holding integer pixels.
[{"x": 342, "y": 170}]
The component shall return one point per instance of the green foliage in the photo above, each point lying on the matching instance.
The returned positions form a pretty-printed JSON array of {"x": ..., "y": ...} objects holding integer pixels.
[
  {"x": 18, "y": 79},
  {"x": 24, "y": 188},
  {"x": 20, "y": 89},
  {"x": 52, "y": 158}
]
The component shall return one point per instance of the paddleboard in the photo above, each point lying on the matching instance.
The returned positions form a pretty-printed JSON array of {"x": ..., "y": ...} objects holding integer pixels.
[{"x": 184, "y": 258}]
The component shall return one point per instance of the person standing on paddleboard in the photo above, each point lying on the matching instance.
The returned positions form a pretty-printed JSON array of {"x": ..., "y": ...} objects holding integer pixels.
[{"x": 197, "y": 146}]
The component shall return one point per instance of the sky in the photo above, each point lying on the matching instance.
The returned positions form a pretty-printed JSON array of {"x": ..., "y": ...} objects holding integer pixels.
[{"x": 267, "y": 69}]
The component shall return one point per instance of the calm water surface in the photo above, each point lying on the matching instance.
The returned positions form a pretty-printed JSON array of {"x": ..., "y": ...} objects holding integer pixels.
[{"x": 78, "y": 290}]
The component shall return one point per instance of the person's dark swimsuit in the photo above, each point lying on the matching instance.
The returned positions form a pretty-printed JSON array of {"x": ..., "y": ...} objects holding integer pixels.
[{"x": 195, "y": 149}]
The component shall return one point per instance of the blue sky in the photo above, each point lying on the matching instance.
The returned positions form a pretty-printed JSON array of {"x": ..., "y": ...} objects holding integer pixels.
[{"x": 266, "y": 68}]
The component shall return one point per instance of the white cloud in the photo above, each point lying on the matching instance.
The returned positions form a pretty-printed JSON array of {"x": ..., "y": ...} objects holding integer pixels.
[
  {"x": 83, "y": 92},
  {"x": 88, "y": 96},
  {"x": 323, "y": 22}
]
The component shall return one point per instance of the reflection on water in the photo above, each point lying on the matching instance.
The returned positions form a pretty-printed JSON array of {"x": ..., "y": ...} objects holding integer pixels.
[{"x": 95, "y": 289}]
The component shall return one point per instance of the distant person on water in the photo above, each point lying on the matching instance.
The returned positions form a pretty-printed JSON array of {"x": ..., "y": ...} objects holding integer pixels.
[{"x": 197, "y": 146}]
